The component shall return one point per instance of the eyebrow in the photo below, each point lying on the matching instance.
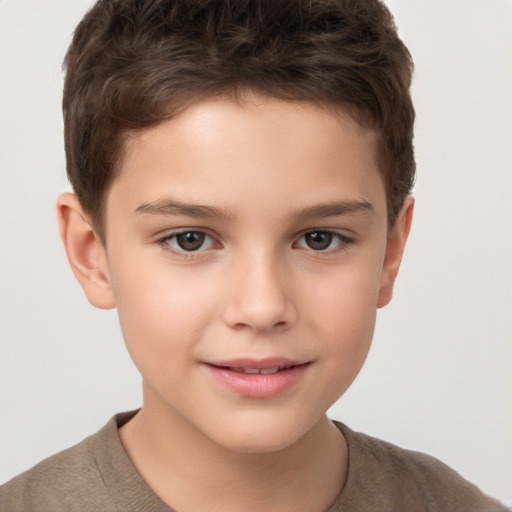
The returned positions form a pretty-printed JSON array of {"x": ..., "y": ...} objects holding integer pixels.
[
  {"x": 335, "y": 208},
  {"x": 173, "y": 207},
  {"x": 169, "y": 206}
]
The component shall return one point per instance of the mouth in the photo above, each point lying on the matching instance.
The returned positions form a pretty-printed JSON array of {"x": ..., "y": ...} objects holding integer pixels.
[
  {"x": 259, "y": 371},
  {"x": 258, "y": 378},
  {"x": 266, "y": 366}
]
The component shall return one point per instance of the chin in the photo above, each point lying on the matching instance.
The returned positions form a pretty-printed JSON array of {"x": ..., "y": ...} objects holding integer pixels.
[
  {"x": 261, "y": 438},
  {"x": 259, "y": 446}
]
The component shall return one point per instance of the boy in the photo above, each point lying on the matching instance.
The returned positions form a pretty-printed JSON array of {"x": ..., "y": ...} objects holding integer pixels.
[{"x": 242, "y": 176}]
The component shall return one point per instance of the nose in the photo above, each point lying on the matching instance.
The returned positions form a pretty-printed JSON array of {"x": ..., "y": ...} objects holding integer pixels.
[{"x": 261, "y": 294}]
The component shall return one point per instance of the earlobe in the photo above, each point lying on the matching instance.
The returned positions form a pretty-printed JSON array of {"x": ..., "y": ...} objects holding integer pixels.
[
  {"x": 397, "y": 239},
  {"x": 86, "y": 254}
]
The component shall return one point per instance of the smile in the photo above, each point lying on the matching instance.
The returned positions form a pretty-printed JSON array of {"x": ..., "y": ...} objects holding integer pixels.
[
  {"x": 258, "y": 379},
  {"x": 260, "y": 371}
]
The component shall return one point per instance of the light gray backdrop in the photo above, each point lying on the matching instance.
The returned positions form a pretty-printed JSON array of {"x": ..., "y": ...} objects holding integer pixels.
[{"x": 438, "y": 378}]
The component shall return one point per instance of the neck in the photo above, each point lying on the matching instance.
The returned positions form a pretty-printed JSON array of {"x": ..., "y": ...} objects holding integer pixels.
[{"x": 190, "y": 472}]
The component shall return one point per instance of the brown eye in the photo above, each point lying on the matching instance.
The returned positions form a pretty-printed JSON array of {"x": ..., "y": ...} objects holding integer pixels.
[
  {"x": 191, "y": 240},
  {"x": 323, "y": 240},
  {"x": 188, "y": 241},
  {"x": 318, "y": 240}
]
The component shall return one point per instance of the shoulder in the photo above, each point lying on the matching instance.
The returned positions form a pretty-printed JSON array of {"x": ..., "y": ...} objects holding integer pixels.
[
  {"x": 399, "y": 479},
  {"x": 69, "y": 480}
]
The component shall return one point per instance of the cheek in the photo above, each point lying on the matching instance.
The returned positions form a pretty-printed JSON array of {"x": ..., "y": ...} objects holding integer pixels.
[
  {"x": 161, "y": 314},
  {"x": 343, "y": 312},
  {"x": 346, "y": 298},
  {"x": 346, "y": 325}
]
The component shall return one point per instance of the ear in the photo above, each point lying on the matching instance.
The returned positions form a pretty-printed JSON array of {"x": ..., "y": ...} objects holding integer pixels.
[
  {"x": 397, "y": 238},
  {"x": 86, "y": 254}
]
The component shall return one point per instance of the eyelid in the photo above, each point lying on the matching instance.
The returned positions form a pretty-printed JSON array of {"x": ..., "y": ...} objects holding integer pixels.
[
  {"x": 163, "y": 241},
  {"x": 345, "y": 240}
]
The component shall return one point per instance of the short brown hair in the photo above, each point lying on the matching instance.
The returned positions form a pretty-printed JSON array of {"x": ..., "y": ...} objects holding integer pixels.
[{"x": 135, "y": 63}]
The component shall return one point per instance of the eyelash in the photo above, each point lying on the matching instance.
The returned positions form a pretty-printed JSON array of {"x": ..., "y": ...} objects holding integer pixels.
[
  {"x": 166, "y": 245},
  {"x": 344, "y": 242}
]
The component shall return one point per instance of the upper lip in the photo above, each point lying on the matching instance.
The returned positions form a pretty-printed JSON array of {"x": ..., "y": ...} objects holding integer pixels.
[{"x": 260, "y": 364}]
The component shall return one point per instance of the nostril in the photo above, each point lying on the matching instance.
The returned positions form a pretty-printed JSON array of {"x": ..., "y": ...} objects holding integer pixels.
[
  {"x": 259, "y": 304},
  {"x": 251, "y": 325}
]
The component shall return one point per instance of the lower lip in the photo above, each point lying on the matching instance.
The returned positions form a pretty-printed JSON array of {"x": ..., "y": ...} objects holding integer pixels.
[{"x": 257, "y": 385}]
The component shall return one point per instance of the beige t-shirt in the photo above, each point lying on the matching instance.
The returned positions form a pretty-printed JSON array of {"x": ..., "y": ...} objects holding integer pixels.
[{"x": 97, "y": 475}]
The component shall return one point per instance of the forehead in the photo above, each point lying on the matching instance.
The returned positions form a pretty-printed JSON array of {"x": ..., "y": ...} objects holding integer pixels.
[
  {"x": 217, "y": 122},
  {"x": 263, "y": 148}
]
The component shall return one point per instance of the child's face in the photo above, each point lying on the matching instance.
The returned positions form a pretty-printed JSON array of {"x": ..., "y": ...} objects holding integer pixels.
[{"x": 243, "y": 238}]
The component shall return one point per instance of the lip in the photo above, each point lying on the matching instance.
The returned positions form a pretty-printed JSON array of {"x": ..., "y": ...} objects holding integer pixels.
[
  {"x": 229, "y": 373},
  {"x": 253, "y": 363}
]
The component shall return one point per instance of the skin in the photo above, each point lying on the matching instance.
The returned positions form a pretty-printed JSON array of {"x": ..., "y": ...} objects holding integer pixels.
[{"x": 270, "y": 172}]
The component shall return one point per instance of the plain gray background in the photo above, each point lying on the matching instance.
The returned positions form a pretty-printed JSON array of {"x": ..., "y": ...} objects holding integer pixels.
[{"x": 438, "y": 378}]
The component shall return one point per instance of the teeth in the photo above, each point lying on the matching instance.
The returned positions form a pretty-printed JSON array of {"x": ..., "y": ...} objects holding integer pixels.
[
  {"x": 261, "y": 371},
  {"x": 268, "y": 371}
]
